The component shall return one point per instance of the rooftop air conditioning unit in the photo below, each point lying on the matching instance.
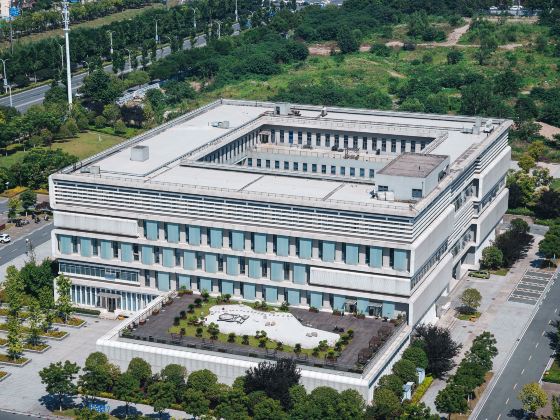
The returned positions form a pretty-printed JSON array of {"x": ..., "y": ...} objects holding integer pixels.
[{"x": 94, "y": 170}]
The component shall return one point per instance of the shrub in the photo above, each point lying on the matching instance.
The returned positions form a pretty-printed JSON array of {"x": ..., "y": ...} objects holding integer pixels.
[
  {"x": 183, "y": 314},
  {"x": 199, "y": 331},
  {"x": 231, "y": 338},
  {"x": 405, "y": 370},
  {"x": 176, "y": 321},
  {"x": 421, "y": 390},
  {"x": 416, "y": 355},
  {"x": 297, "y": 348},
  {"x": 279, "y": 346},
  {"x": 191, "y": 308},
  {"x": 198, "y": 302},
  {"x": 262, "y": 342},
  {"x": 350, "y": 334},
  {"x": 245, "y": 339}
]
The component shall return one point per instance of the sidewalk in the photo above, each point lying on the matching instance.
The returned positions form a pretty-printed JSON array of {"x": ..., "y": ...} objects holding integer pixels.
[
  {"x": 502, "y": 318},
  {"x": 117, "y": 408}
]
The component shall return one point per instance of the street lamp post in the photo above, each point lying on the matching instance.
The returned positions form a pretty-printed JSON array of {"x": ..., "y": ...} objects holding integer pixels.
[
  {"x": 236, "y": 14},
  {"x": 7, "y": 87},
  {"x": 66, "y": 21},
  {"x": 157, "y": 37},
  {"x": 194, "y": 18},
  {"x": 110, "y": 42},
  {"x": 219, "y": 28}
]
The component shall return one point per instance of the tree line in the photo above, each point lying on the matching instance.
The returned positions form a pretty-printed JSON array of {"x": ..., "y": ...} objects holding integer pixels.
[
  {"x": 41, "y": 60},
  {"x": 48, "y": 19}
]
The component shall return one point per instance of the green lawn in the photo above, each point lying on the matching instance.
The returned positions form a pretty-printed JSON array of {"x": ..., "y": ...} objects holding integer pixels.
[
  {"x": 83, "y": 146},
  {"x": 499, "y": 271},
  {"x": 467, "y": 317}
]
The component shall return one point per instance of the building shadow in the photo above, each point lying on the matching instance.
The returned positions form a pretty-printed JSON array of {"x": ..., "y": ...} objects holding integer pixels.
[{"x": 51, "y": 403}]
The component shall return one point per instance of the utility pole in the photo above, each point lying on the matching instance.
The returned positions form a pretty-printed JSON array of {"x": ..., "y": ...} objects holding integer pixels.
[
  {"x": 7, "y": 87},
  {"x": 110, "y": 42},
  {"x": 194, "y": 18},
  {"x": 66, "y": 21},
  {"x": 236, "y": 15}
]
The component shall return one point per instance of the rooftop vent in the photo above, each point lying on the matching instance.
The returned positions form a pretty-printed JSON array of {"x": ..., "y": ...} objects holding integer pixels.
[
  {"x": 489, "y": 126},
  {"x": 282, "y": 109},
  {"x": 477, "y": 124},
  {"x": 90, "y": 170},
  {"x": 220, "y": 124},
  {"x": 139, "y": 153}
]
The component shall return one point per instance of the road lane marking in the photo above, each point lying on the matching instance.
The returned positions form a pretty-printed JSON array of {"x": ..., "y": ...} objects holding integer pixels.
[
  {"x": 543, "y": 333},
  {"x": 515, "y": 386},
  {"x": 530, "y": 356},
  {"x": 536, "y": 345},
  {"x": 523, "y": 371},
  {"x": 507, "y": 401}
]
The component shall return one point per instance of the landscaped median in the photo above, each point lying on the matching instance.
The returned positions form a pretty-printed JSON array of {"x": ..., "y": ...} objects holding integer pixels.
[
  {"x": 553, "y": 373},
  {"x": 33, "y": 348},
  {"x": 4, "y": 375},
  {"x": 73, "y": 322}
]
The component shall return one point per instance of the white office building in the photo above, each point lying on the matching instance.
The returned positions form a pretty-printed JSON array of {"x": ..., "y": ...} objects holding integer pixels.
[{"x": 362, "y": 211}]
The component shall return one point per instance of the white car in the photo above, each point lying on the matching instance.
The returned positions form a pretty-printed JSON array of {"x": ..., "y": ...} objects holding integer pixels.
[{"x": 5, "y": 238}]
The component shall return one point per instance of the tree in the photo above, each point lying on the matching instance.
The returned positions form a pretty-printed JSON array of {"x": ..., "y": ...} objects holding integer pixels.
[
  {"x": 526, "y": 162},
  {"x": 175, "y": 375},
  {"x": 273, "y": 378},
  {"x": 160, "y": 395},
  {"x": 127, "y": 389},
  {"x": 488, "y": 45},
  {"x": 35, "y": 322},
  {"x": 28, "y": 199},
  {"x": 58, "y": 379},
  {"x": 393, "y": 383},
  {"x": 483, "y": 350},
  {"x": 532, "y": 397},
  {"x": 439, "y": 348},
  {"x": 99, "y": 86},
  {"x": 549, "y": 247},
  {"x": 454, "y": 56},
  {"x": 492, "y": 258},
  {"x": 347, "y": 41},
  {"x": 536, "y": 149},
  {"x": 96, "y": 376},
  {"x": 555, "y": 402},
  {"x": 470, "y": 298},
  {"x": 14, "y": 291},
  {"x": 13, "y": 207},
  {"x": 202, "y": 380},
  {"x": 195, "y": 403},
  {"x": 14, "y": 338},
  {"x": 417, "y": 411},
  {"x": 64, "y": 301},
  {"x": 351, "y": 405},
  {"x": 386, "y": 405},
  {"x": 406, "y": 370},
  {"x": 233, "y": 405},
  {"x": 141, "y": 370},
  {"x": 267, "y": 409},
  {"x": 417, "y": 355},
  {"x": 548, "y": 205},
  {"x": 451, "y": 399}
]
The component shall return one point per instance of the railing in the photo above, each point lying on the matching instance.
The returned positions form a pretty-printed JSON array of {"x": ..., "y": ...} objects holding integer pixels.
[
  {"x": 381, "y": 351},
  {"x": 365, "y": 205}
]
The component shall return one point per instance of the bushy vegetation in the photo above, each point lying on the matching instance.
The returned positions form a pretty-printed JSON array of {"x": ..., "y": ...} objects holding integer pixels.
[{"x": 470, "y": 374}]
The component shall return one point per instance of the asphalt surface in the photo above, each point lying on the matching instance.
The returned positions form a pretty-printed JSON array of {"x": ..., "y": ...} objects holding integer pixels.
[
  {"x": 23, "y": 100},
  {"x": 526, "y": 364},
  {"x": 18, "y": 247}
]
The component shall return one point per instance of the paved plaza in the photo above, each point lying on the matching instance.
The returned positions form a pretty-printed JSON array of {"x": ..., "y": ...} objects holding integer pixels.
[{"x": 503, "y": 317}]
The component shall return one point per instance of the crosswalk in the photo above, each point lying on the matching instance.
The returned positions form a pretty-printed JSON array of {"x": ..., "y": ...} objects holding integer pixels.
[{"x": 530, "y": 287}]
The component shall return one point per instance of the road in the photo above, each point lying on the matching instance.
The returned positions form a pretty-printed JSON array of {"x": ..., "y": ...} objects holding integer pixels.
[
  {"x": 18, "y": 247},
  {"x": 526, "y": 364},
  {"x": 4, "y": 415},
  {"x": 23, "y": 100}
]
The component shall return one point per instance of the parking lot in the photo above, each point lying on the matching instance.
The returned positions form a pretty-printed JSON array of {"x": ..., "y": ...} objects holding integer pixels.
[{"x": 530, "y": 287}]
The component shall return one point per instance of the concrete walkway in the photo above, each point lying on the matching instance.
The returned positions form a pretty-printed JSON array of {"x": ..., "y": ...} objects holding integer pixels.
[{"x": 501, "y": 317}]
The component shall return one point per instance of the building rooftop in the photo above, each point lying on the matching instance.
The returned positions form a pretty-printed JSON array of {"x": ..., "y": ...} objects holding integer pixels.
[
  {"x": 415, "y": 165},
  {"x": 176, "y": 153}
]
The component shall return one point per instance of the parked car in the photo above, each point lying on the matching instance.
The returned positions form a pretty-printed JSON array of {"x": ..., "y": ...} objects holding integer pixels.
[{"x": 5, "y": 238}]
